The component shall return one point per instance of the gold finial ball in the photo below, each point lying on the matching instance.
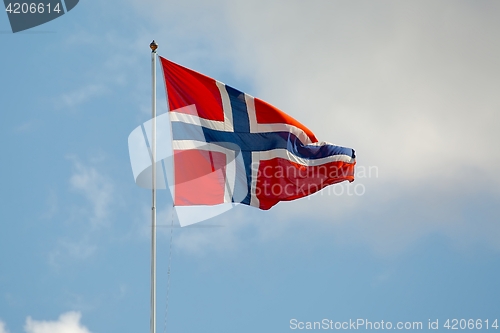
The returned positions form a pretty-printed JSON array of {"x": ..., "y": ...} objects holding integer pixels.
[{"x": 153, "y": 46}]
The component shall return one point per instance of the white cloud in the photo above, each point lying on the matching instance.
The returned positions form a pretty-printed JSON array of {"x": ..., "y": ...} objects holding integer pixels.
[
  {"x": 412, "y": 86},
  {"x": 80, "y": 95},
  {"x": 2, "y": 327},
  {"x": 106, "y": 73},
  {"x": 96, "y": 188},
  {"x": 96, "y": 209},
  {"x": 217, "y": 234},
  {"x": 81, "y": 249},
  {"x": 27, "y": 126},
  {"x": 221, "y": 236},
  {"x": 67, "y": 323},
  {"x": 52, "y": 206},
  {"x": 411, "y": 93}
]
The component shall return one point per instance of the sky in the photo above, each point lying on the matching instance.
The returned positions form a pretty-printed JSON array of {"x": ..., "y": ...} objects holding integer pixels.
[{"x": 412, "y": 86}]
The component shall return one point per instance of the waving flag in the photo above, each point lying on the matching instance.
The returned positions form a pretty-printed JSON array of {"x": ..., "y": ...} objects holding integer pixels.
[{"x": 231, "y": 147}]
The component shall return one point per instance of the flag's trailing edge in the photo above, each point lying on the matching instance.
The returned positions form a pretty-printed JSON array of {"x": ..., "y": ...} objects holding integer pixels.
[{"x": 231, "y": 147}]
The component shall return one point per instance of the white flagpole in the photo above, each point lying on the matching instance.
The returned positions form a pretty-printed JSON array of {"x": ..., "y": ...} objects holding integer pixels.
[{"x": 153, "y": 47}]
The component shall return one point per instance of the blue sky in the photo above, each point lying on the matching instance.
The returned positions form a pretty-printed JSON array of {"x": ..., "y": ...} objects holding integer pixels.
[{"x": 412, "y": 86}]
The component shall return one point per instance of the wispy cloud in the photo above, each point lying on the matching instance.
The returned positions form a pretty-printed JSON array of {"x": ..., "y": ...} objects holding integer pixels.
[
  {"x": 413, "y": 90},
  {"x": 74, "y": 249},
  {"x": 200, "y": 241},
  {"x": 96, "y": 188},
  {"x": 224, "y": 234},
  {"x": 67, "y": 323},
  {"x": 2, "y": 327},
  {"x": 52, "y": 205},
  {"x": 81, "y": 95},
  {"x": 92, "y": 214},
  {"x": 27, "y": 126}
]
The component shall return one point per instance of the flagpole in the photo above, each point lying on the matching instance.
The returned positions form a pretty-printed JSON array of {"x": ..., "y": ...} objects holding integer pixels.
[{"x": 153, "y": 47}]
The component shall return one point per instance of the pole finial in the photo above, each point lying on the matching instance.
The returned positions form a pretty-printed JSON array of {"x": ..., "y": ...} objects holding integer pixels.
[{"x": 153, "y": 46}]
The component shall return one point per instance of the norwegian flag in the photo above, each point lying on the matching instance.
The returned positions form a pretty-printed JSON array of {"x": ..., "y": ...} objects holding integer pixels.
[{"x": 232, "y": 147}]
